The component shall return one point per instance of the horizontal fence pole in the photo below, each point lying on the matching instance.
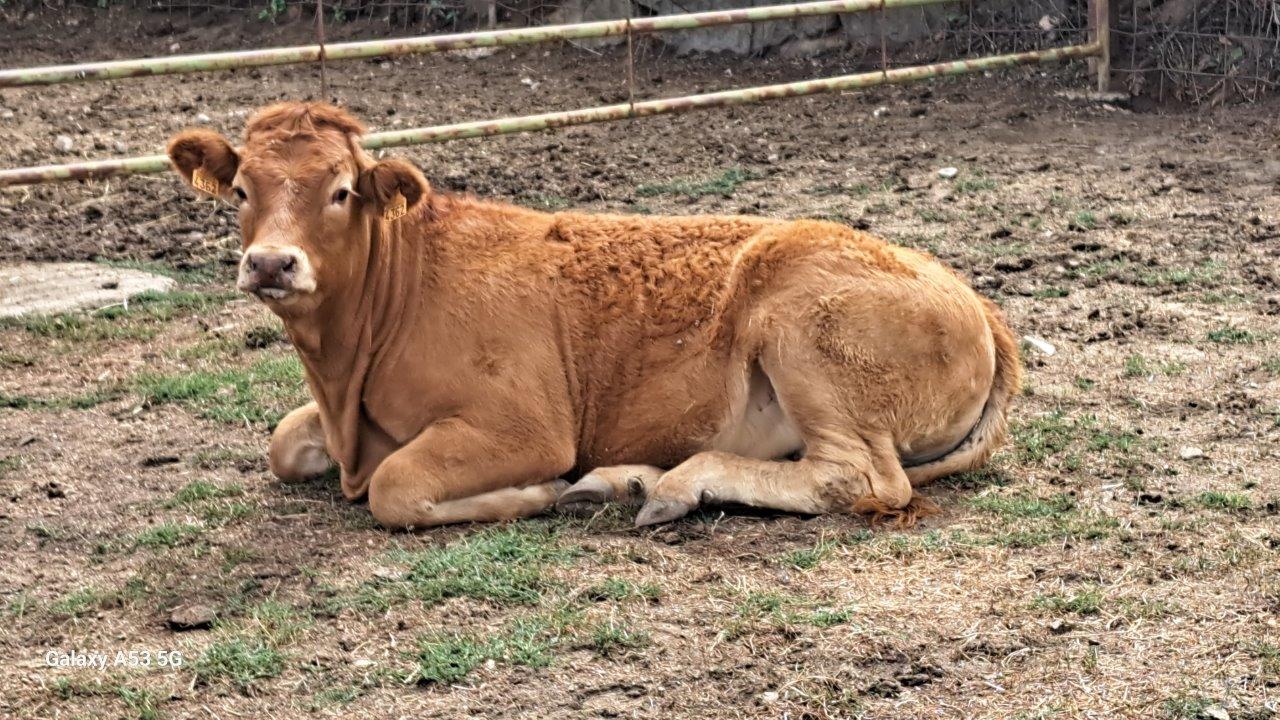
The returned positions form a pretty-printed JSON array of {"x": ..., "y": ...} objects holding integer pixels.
[
  {"x": 145, "y": 67},
  {"x": 529, "y": 123}
]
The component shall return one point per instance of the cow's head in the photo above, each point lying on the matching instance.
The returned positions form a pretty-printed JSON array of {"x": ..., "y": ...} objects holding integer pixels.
[{"x": 308, "y": 195}]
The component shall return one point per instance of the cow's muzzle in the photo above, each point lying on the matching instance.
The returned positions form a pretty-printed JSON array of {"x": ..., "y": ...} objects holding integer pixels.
[{"x": 274, "y": 274}]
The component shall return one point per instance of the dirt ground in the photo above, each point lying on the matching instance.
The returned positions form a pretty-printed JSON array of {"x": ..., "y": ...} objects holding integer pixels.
[{"x": 1119, "y": 559}]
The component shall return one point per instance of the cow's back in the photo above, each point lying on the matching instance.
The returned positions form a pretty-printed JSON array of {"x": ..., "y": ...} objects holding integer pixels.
[{"x": 661, "y": 274}]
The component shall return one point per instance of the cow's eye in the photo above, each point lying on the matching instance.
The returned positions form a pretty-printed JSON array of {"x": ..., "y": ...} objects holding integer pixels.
[
  {"x": 341, "y": 196},
  {"x": 241, "y": 195}
]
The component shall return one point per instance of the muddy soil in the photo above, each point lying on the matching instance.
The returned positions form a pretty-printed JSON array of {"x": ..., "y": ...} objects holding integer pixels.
[{"x": 1120, "y": 560}]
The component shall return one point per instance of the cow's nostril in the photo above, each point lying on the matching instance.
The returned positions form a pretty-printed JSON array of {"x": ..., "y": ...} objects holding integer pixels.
[
  {"x": 253, "y": 263},
  {"x": 289, "y": 263}
]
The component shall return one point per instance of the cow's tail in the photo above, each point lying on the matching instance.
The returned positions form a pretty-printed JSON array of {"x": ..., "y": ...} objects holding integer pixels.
[{"x": 988, "y": 434}]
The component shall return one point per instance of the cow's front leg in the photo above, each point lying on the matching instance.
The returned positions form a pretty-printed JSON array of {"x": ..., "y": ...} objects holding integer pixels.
[
  {"x": 297, "y": 450},
  {"x": 456, "y": 471}
]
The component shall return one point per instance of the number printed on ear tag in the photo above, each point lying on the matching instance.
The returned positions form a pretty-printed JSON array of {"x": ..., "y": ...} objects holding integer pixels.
[
  {"x": 206, "y": 182},
  {"x": 396, "y": 208}
]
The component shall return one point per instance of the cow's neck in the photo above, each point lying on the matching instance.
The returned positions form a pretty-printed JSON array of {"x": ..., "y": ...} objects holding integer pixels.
[{"x": 340, "y": 342}]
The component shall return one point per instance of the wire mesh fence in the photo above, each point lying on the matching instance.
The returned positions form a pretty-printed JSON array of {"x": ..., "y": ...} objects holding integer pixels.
[
  {"x": 1194, "y": 51},
  {"x": 1198, "y": 51}
]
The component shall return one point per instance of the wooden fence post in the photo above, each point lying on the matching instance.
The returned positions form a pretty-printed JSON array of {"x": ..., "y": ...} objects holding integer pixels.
[{"x": 1100, "y": 33}]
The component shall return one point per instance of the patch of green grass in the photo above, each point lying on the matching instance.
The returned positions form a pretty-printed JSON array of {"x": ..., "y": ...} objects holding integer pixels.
[
  {"x": 1058, "y": 438},
  {"x": 197, "y": 275},
  {"x": 619, "y": 590},
  {"x": 1021, "y": 506},
  {"x": 166, "y": 535},
  {"x": 1268, "y": 653},
  {"x": 261, "y": 393},
  {"x": 10, "y": 464},
  {"x": 1272, "y": 365},
  {"x": 782, "y": 611},
  {"x": 1232, "y": 502},
  {"x": 1110, "y": 439},
  {"x": 530, "y": 641},
  {"x": 227, "y": 457},
  {"x": 505, "y": 565},
  {"x": 1206, "y": 274},
  {"x": 1085, "y": 602},
  {"x": 141, "y": 703},
  {"x": 1085, "y": 383},
  {"x": 1137, "y": 365},
  {"x": 610, "y": 639},
  {"x": 1003, "y": 249},
  {"x": 336, "y": 696},
  {"x": 1135, "y": 608},
  {"x": 1084, "y": 220},
  {"x": 1222, "y": 297},
  {"x": 1185, "y": 707},
  {"x": 199, "y": 491},
  {"x": 1232, "y": 335},
  {"x": 549, "y": 202},
  {"x": 1101, "y": 269},
  {"x": 1040, "y": 438},
  {"x": 240, "y": 660},
  {"x": 138, "y": 319},
  {"x": 81, "y": 601},
  {"x": 219, "y": 514},
  {"x": 45, "y": 531},
  {"x": 233, "y": 557},
  {"x": 10, "y": 360},
  {"x": 810, "y": 557},
  {"x": 974, "y": 185},
  {"x": 724, "y": 185},
  {"x": 82, "y": 401},
  {"x": 1073, "y": 526},
  {"x": 931, "y": 215},
  {"x": 830, "y": 617},
  {"x": 276, "y": 622},
  {"x": 19, "y": 605},
  {"x": 66, "y": 688},
  {"x": 444, "y": 658}
]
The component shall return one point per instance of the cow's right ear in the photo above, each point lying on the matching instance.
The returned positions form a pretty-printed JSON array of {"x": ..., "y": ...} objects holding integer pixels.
[
  {"x": 394, "y": 186},
  {"x": 205, "y": 159}
]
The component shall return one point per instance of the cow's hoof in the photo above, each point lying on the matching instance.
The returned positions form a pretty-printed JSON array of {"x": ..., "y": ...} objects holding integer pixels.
[
  {"x": 585, "y": 497},
  {"x": 660, "y": 510}
]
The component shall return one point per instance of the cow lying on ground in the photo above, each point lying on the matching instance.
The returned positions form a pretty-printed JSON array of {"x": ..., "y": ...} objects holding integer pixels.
[{"x": 465, "y": 355}]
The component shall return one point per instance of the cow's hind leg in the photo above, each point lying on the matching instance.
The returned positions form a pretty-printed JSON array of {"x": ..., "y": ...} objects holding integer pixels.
[
  {"x": 297, "y": 450},
  {"x": 625, "y": 484},
  {"x": 859, "y": 478}
]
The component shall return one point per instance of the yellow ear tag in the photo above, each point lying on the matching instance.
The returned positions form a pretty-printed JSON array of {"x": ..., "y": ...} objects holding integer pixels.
[
  {"x": 206, "y": 182},
  {"x": 396, "y": 208}
]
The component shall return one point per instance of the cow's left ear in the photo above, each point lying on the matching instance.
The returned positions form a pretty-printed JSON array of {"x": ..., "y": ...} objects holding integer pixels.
[
  {"x": 394, "y": 186},
  {"x": 205, "y": 160}
]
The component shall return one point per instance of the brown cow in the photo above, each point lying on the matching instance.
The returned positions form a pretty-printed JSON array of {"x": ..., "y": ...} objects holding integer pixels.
[{"x": 466, "y": 355}]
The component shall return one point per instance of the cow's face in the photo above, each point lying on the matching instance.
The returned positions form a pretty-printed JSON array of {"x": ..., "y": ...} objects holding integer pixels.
[{"x": 308, "y": 198}]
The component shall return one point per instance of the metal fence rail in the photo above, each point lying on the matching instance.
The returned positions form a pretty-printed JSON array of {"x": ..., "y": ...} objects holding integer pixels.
[
  {"x": 205, "y": 62},
  {"x": 530, "y": 123},
  {"x": 1097, "y": 49}
]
